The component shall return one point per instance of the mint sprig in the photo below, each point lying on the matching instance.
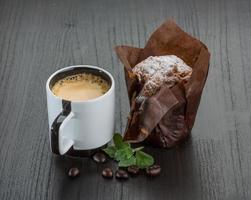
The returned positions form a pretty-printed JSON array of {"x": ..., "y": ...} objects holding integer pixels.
[
  {"x": 123, "y": 154},
  {"x": 126, "y": 156},
  {"x": 127, "y": 162},
  {"x": 118, "y": 141},
  {"x": 143, "y": 160},
  {"x": 110, "y": 151}
]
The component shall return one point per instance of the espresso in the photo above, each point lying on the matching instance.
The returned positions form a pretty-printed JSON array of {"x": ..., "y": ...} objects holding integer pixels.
[{"x": 80, "y": 87}]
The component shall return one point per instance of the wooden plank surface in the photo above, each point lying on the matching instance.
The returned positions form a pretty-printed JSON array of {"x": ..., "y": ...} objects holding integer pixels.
[{"x": 39, "y": 37}]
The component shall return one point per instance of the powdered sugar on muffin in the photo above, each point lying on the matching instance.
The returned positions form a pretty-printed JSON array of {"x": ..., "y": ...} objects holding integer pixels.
[{"x": 158, "y": 70}]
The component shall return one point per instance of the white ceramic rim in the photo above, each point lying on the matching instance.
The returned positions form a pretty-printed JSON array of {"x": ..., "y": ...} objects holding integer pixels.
[{"x": 83, "y": 66}]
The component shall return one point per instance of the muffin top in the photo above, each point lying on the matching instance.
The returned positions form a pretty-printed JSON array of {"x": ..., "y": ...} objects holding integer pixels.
[{"x": 155, "y": 71}]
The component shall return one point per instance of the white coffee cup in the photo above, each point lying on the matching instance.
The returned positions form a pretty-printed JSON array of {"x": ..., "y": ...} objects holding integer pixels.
[{"x": 80, "y": 126}]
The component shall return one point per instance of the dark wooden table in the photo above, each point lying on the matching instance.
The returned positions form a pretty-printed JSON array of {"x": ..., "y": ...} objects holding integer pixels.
[{"x": 39, "y": 37}]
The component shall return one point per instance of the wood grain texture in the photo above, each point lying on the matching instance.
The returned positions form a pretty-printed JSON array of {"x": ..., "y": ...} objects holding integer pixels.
[{"x": 39, "y": 37}]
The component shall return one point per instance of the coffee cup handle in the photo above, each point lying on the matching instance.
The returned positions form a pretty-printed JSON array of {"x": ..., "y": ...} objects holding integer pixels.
[
  {"x": 60, "y": 144},
  {"x": 64, "y": 144}
]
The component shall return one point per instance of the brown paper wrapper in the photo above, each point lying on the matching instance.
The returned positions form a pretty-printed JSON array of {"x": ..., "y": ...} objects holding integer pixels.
[{"x": 166, "y": 118}]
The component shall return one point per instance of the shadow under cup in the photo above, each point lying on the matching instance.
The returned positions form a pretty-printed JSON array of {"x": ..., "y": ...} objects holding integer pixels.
[{"x": 59, "y": 109}]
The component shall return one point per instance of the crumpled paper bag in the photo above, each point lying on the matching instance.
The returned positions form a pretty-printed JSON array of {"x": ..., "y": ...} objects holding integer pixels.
[{"x": 166, "y": 118}]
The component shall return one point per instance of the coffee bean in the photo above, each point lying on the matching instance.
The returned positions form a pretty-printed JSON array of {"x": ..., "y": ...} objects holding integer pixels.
[
  {"x": 99, "y": 157},
  {"x": 107, "y": 173},
  {"x": 121, "y": 174},
  {"x": 134, "y": 170},
  {"x": 153, "y": 170},
  {"x": 73, "y": 172}
]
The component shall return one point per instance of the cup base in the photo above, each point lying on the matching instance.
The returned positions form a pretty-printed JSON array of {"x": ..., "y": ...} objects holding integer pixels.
[{"x": 84, "y": 153}]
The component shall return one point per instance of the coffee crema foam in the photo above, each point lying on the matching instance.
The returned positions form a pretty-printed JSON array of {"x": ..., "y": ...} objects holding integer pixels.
[{"x": 79, "y": 87}]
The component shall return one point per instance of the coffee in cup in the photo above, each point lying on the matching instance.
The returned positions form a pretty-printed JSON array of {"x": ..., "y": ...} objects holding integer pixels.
[{"x": 80, "y": 87}]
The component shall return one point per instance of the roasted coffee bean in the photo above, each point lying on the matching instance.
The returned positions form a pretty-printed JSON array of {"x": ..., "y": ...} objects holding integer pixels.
[
  {"x": 73, "y": 172},
  {"x": 134, "y": 170},
  {"x": 154, "y": 170},
  {"x": 121, "y": 174},
  {"x": 107, "y": 173},
  {"x": 99, "y": 157}
]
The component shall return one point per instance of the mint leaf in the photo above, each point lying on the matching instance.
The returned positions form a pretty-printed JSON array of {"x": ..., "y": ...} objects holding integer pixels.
[
  {"x": 127, "y": 156},
  {"x": 129, "y": 162},
  {"x": 123, "y": 154},
  {"x": 143, "y": 160},
  {"x": 110, "y": 151},
  {"x": 118, "y": 141}
]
